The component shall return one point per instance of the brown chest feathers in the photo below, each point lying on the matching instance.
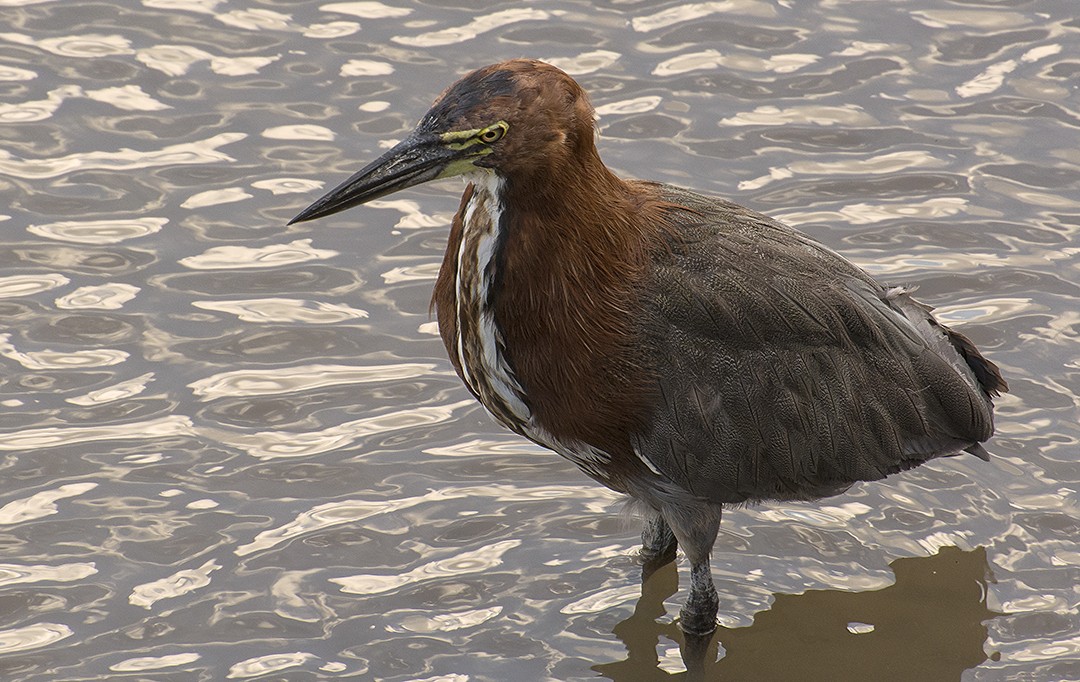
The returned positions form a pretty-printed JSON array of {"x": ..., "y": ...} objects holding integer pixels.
[{"x": 535, "y": 309}]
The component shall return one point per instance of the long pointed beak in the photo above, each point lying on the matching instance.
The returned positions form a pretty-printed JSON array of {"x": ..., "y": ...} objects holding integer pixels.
[{"x": 416, "y": 159}]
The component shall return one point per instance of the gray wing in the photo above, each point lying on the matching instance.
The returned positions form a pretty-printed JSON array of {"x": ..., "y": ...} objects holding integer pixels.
[{"x": 792, "y": 373}]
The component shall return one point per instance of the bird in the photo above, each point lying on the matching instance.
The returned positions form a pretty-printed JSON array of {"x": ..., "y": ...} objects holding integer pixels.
[{"x": 677, "y": 347}]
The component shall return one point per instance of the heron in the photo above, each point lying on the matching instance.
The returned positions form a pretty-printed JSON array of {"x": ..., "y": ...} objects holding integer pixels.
[{"x": 677, "y": 347}]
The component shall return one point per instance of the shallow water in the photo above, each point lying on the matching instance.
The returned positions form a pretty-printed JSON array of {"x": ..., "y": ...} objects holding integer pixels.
[{"x": 234, "y": 449}]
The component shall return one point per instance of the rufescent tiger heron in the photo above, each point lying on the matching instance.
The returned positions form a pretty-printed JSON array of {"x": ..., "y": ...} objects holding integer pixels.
[{"x": 678, "y": 348}]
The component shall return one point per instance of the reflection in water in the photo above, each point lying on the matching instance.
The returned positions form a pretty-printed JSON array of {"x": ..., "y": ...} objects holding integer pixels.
[
  {"x": 32, "y": 637},
  {"x": 40, "y": 504},
  {"x": 213, "y": 423},
  {"x": 176, "y": 585},
  {"x": 111, "y": 296},
  {"x": 459, "y": 564},
  {"x": 198, "y": 152},
  {"x": 929, "y": 625},
  {"x": 272, "y": 256},
  {"x": 98, "y": 231}
]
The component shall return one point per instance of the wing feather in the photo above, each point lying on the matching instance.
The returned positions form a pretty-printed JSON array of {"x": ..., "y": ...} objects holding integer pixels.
[{"x": 790, "y": 372}]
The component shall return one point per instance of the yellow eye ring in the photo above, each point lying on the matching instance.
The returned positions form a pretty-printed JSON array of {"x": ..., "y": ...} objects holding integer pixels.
[{"x": 492, "y": 134}]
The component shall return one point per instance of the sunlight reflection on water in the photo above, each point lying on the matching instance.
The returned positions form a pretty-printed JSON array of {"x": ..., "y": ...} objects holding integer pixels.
[{"x": 235, "y": 449}]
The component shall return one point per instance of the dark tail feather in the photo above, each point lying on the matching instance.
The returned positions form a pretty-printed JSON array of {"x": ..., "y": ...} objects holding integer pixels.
[
  {"x": 986, "y": 372},
  {"x": 979, "y": 451}
]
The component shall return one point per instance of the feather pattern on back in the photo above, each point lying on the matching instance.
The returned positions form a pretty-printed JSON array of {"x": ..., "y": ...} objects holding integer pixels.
[{"x": 788, "y": 371}]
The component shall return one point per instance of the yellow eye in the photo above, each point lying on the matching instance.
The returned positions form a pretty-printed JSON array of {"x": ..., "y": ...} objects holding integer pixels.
[{"x": 492, "y": 134}]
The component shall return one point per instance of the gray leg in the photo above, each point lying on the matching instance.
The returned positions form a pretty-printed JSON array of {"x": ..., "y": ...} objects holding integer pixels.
[
  {"x": 698, "y": 615},
  {"x": 658, "y": 544},
  {"x": 696, "y": 528},
  {"x": 657, "y": 540}
]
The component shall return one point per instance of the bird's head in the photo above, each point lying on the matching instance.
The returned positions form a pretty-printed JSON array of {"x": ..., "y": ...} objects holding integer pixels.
[{"x": 522, "y": 119}]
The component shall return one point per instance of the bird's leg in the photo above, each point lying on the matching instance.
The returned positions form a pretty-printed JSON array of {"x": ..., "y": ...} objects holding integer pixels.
[
  {"x": 658, "y": 544},
  {"x": 698, "y": 615},
  {"x": 695, "y": 528},
  {"x": 657, "y": 540}
]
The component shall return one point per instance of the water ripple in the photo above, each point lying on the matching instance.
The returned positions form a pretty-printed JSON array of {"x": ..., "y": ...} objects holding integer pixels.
[
  {"x": 602, "y": 600},
  {"x": 99, "y": 231},
  {"x": 50, "y": 359},
  {"x": 89, "y": 46},
  {"x": 712, "y": 59},
  {"x": 255, "y": 382},
  {"x": 142, "y": 663},
  {"x": 17, "y": 286},
  {"x": 177, "y": 60},
  {"x": 991, "y": 19},
  {"x": 462, "y": 563},
  {"x": 288, "y": 185},
  {"x": 41, "y": 504},
  {"x": 38, "y": 110},
  {"x": 284, "y": 310},
  {"x": 866, "y": 214},
  {"x": 304, "y": 131},
  {"x": 206, "y": 414},
  {"x": 413, "y": 217},
  {"x": 478, "y": 26},
  {"x": 271, "y": 256},
  {"x": 175, "y": 585},
  {"x": 334, "y": 514},
  {"x": 110, "y": 296},
  {"x": 172, "y": 60},
  {"x": 11, "y": 574},
  {"x": 284, "y": 444},
  {"x": 127, "y": 98},
  {"x": 638, "y": 105},
  {"x": 117, "y": 391},
  {"x": 822, "y": 115},
  {"x": 367, "y": 9},
  {"x": 690, "y": 11},
  {"x": 333, "y": 29},
  {"x": 447, "y": 622},
  {"x": 883, "y": 164},
  {"x": 256, "y": 19},
  {"x": 199, "y": 152},
  {"x": 13, "y": 73},
  {"x": 57, "y": 436},
  {"x": 365, "y": 67},
  {"x": 264, "y": 665},
  {"x": 586, "y": 62},
  {"x": 32, "y": 637},
  {"x": 215, "y": 197}
]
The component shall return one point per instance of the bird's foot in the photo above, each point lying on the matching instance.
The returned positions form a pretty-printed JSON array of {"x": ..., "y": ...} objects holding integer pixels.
[
  {"x": 698, "y": 622},
  {"x": 698, "y": 615}
]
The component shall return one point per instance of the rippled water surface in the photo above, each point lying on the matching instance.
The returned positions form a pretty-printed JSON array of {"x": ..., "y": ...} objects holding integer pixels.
[{"x": 232, "y": 449}]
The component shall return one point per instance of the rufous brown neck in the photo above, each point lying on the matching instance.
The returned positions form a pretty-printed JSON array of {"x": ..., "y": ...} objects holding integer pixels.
[{"x": 574, "y": 256}]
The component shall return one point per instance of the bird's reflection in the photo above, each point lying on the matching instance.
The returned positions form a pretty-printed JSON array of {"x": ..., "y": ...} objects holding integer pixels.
[{"x": 929, "y": 625}]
